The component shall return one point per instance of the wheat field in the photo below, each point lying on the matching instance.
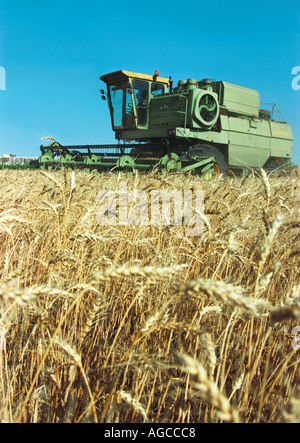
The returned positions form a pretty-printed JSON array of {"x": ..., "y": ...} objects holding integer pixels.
[{"x": 141, "y": 324}]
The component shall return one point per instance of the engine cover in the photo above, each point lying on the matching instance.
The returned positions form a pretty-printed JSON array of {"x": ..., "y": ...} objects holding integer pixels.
[{"x": 205, "y": 109}]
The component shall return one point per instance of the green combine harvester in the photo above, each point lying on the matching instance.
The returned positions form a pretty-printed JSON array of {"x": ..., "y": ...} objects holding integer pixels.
[{"x": 205, "y": 127}]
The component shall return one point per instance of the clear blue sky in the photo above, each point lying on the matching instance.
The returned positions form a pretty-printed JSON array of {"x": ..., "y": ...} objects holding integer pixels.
[{"x": 54, "y": 52}]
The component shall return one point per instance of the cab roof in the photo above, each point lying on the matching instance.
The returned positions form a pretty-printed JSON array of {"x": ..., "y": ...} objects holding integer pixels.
[{"x": 120, "y": 75}]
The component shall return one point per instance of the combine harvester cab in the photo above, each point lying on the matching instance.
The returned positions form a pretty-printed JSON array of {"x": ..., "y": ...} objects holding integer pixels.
[{"x": 204, "y": 127}]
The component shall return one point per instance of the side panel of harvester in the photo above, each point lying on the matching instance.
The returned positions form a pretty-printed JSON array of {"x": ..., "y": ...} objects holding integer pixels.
[
  {"x": 252, "y": 139},
  {"x": 282, "y": 140},
  {"x": 252, "y": 142},
  {"x": 233, "y": 121}
]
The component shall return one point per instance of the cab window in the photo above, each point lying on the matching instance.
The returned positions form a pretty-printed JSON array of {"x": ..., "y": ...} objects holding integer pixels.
[
  {"x": 121, "y": 105},
  {"x": 141, "y": 94},
  {"x": 157, "y": 89}
]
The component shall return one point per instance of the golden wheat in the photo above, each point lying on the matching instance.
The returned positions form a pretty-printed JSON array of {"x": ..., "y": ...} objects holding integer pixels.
[{"x": 141, "y": 323}]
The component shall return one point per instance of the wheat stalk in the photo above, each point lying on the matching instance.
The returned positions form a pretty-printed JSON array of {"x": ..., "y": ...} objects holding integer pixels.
[
  {"x": 209, "y": 389},
  {"x": 77, "y": 359},
  {"x": 226, "y": 293},
  {"x": 266, "y": 248},
  {"x": 137, "y": 406},
  {"x": 130, "y": 271},
  {"x": 267, "y": 185}
]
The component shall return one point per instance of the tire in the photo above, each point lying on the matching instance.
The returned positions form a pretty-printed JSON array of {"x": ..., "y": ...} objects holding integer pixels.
[{"x": 206, "y": 151}]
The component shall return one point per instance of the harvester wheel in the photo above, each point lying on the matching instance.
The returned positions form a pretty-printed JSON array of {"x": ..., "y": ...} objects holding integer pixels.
[
  {"x": 125, "y": 163},
  {"x": 169, "y": 163},
  {"x": 206, "y": 151},
  {"x": 217, "y": 171}
]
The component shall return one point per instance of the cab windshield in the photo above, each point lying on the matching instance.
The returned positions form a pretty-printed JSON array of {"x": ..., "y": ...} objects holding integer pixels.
[
  {"x": 125, "y": 113},
  {"x": 121, "y": 105}
]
